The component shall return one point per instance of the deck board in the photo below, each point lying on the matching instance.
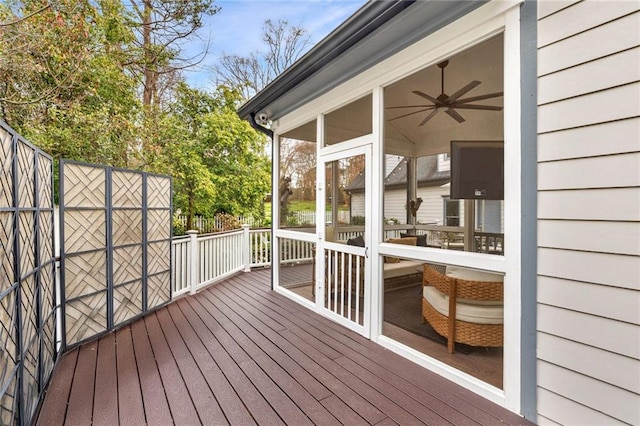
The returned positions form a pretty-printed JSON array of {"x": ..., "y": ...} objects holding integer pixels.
[
  {"x": 131, "y": 408},
  {"x": 80, "y": 409},
  {"x": 105, "y": 406},
  {"x": 156, "y": 406},
  {"x": 239, "y": 353},
  {"x": 57, "y": 395}
]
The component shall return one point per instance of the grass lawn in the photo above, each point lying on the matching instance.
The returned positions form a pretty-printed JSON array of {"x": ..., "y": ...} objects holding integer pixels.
[{"x": 299, "y": 206}]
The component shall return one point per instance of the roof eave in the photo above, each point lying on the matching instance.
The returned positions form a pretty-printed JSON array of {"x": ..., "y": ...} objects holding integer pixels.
[{"x": 363, "y": 22}]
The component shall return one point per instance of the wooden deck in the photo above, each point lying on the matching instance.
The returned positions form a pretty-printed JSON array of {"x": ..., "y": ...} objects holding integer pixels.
[{"x": 238, "y": 353}]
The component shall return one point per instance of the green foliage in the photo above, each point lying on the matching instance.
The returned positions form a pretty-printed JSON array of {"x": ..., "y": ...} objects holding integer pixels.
[
  {"x": 73, "y": 80},
  {"x": 228, "y": 222},
  {"x": 357, "y": 220},
  {"x": 178, "y": 228}
]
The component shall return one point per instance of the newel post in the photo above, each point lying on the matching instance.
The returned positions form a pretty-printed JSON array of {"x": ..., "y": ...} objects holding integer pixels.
[
  {"x": 246, "y": 247},
  {"x": 194, "y": 259}
]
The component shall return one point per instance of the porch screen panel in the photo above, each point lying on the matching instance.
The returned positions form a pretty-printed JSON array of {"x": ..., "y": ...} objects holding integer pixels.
[
  {"x": 26, "y": 276},
  {"x": 158, "y": 240},
  {"x": 126, "y": 216},
  {"x": 84, "y": 261}
]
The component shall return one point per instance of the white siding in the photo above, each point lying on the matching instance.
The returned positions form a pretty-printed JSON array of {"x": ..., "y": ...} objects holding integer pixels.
[
  {"x": 588, "y": 345},
  {"x": 430, "y": 212}
]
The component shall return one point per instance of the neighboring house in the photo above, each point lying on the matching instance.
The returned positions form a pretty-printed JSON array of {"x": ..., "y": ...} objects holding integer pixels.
[
  {"x": 559, "y": 83},
  {"x": 432, "y": 188}
]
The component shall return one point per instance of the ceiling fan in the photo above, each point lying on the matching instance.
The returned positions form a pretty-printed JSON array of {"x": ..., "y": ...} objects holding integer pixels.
[{"x": 449, "y": 103}]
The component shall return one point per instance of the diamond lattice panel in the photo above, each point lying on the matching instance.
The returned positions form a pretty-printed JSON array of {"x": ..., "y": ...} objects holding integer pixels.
[
  {"x": 26, "y": 175},
  {"x": 6, "y": 164},
  {"x": 85, "y": 274},
  {"x": 158, "y": 290},
  {"x": 30, "y": 377},
  {"x": 158, "y": 257},
  {"x": 44, "y": 182},
  {"x": 127, "y": 301},
  {"x": 86, "y": 317},
  {"x": 84, "y": 186},
  {"x": 8, "y": 403},
  {"x": 127, "y": 227},
  {"x": 126, "y": 189},
  {"x": 48, "y": 345},
  {"x": 46, "y": 236},
  {"x": 7, "y": 274},
  {"x": 7, "y": 338},
  {"x": 127, "y": 264},
  {"x": 158, "y": 224},
  {"x": 158, "y": 192},
  {"x": 84, "y": 230},
  {"x": 27, "y": 242},
  {"x": 29, "y": 306},
  {"x": 47, "y": 302}
]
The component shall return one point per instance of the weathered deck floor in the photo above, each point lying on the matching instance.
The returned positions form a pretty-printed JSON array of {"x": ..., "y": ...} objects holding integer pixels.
[{"x": 238, "y": 353}]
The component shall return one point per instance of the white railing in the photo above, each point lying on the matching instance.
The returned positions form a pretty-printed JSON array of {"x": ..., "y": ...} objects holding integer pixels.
[
  {"x": 200, "y": 260},
  {"x": 260, "y": 247},
  {"x": 294, "y": 251}
]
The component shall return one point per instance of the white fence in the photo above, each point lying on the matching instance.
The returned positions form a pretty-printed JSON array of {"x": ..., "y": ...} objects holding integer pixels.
[{"x": 205, "y": 225}]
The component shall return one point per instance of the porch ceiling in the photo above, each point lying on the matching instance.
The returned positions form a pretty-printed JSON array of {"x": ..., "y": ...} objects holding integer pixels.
[
  {"x": 375, "y": 32},
  {"x": 404, "y": 136}
]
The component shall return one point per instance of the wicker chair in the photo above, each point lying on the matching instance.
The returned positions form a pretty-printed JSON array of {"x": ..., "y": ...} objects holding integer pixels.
[{"x": 469, "y": 312}]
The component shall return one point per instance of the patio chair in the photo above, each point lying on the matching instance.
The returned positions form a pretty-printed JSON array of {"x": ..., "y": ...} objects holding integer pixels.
[{"x": 463, "y": 311}]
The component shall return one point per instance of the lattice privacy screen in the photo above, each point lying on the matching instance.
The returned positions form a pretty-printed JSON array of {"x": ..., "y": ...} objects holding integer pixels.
[
  {"x": 116, "y": 257},
  {"x": 27, "y": 268}
]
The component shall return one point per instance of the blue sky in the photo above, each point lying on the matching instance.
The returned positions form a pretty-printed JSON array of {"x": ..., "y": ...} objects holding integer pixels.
[{"x": 237, "y": 28}]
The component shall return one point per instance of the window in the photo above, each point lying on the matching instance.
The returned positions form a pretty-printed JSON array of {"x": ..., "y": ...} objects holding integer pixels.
[{"x": 451, "y": 213}]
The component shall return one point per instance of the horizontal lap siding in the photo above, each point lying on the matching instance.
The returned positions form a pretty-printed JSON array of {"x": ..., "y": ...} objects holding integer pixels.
[{"x": 588, "y": 212}]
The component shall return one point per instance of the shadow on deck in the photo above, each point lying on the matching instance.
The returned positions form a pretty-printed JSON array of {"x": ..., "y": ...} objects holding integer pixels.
[{"x": 238, "y": 353}]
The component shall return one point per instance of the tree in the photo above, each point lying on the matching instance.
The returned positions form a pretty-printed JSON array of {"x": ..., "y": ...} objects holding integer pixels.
[
  {"x": 63, "y": 84},
  {"x": 216, "y": 159},
  {"x": 285, "y": 44},
  {"x": 162, "y": 28},
  {"x": 234, "y": 153}
]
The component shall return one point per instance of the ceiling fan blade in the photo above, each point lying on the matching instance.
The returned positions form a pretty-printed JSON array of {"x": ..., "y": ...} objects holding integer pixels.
[
  {"x": 410, "y": 106},
  {"x": 454, "y": 114},
  {"x": 483, "y": 107},
  {"x": 411, "y": 113},
  {"x": 479, "y": 98},
  {"x": 427, "y": 97},
  {"x": 464, "y": 90},
  {"x": 429, "y": 117}
]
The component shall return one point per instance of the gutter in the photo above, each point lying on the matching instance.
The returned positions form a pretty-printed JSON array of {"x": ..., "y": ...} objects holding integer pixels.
[{"x": 366, "y": 20}]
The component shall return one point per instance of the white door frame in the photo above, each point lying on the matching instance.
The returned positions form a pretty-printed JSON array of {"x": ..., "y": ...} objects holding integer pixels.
[{"x": 352, "y": 148}]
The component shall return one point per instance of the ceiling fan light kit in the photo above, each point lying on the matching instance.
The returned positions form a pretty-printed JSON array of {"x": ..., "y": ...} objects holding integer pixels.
[{"x": 449, "y": 103}]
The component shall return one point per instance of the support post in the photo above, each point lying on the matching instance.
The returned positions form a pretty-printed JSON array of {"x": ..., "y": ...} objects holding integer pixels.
[
  {"x": 194, "y": 260},
  {"x": 246, "y": 247}
]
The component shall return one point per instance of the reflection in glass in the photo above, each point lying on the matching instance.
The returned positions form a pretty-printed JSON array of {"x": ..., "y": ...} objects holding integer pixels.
[
  {"x": 345, "y": 182},
  {"x": 297, "y": 266},
  {"x": 416, "y": 313},
  {"x": 297, "y": 185}
]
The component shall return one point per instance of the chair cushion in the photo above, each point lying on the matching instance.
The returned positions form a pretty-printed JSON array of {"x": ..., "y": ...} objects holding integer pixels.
[
  {"x": 410, "y": 241},
  {"x": 477, "y": 313},
  {"x": 401, "y": 268},
  {"x": 421, "y": 240}
]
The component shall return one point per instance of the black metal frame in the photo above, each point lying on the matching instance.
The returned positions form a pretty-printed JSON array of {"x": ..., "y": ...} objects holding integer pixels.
[
  {"x": 109, "y": 249},
  {"x": 29, "y": 348}
]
